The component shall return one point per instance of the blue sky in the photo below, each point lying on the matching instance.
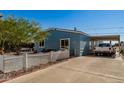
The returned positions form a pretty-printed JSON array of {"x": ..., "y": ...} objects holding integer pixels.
[{"x": 92, "y": 22}]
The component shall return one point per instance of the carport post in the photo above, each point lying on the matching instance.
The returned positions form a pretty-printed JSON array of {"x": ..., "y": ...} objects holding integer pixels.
[
  {"x": 110, "y": 42},
  {"x": 92, "y": 44},
  {"x": 119, "y": 46}
]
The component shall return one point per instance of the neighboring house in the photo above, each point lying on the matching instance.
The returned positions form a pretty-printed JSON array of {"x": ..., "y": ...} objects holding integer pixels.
[{"x": 76, "y": 41}]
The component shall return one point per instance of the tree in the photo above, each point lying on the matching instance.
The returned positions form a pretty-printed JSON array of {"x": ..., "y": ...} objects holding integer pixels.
[
  {"x": 4, "y": 33},
  {"x": 16, "y": 31}
]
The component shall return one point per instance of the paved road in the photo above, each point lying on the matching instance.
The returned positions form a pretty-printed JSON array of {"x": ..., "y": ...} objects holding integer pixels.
[{"x": 80, "y": 69}]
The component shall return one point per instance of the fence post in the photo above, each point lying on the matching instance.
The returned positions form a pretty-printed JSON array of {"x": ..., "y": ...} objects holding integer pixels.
[
  {"x": 25, "y": 62},
  {"x": 68, "y": 54},
  {"x": 51, "y": 56},
  {"x": 2, "y": 63}
]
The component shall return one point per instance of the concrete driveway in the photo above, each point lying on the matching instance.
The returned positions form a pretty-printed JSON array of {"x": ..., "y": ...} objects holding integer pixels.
[{"x": 80, "y": 69}]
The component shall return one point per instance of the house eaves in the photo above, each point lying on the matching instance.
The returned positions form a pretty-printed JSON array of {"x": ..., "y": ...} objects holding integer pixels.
[{"x": 67, "y": 30}]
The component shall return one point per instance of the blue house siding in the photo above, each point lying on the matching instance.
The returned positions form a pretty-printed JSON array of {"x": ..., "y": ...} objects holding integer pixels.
[
  {"x": 79, "y": 43},
  {"x": 53, "y": 41},
  {"x": 74, "y": 44},
  {"x": 84, "y": 45}
]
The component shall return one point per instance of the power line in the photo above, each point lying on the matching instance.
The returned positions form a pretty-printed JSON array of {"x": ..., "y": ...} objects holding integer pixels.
[
  {"x": 119, "y": 30},
  {"x": 104, "y": 28},
  {"x": 108, "y": 33},
  {"x": 122, "y": 34}
]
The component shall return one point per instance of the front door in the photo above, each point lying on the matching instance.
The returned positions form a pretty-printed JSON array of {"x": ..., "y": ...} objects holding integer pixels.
[{"x": 65, "y": 43}]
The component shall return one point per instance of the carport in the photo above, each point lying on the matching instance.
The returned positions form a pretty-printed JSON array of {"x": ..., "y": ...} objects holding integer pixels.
[{"x": 97, "y": 39}]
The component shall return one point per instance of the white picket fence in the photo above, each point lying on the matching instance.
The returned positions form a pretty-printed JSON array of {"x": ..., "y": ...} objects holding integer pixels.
[
  {"x": 59, "y": 55},
  {"x": 9, "y": 64}
]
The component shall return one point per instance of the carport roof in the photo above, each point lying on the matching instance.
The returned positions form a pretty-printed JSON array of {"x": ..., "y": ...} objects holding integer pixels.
[{"x": 105, "y": 37}]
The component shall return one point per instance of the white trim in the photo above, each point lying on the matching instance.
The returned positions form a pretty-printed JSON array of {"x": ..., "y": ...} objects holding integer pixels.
[{"x": 64, "y": 39}]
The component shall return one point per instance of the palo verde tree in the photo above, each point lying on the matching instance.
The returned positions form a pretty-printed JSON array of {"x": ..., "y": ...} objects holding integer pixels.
[{"x": 17, "y": 31}]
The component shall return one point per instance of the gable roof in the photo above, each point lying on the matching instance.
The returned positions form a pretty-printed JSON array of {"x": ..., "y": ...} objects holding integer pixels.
[{"x": 67, "y": 30}]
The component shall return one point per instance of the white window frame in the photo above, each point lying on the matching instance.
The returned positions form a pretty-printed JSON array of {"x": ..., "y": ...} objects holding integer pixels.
[
  {"x": 68, "y": 43},
  {"x": 42, "y": 46}
]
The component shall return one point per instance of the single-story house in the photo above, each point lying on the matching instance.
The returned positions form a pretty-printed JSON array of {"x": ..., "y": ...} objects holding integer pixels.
[{"x": 77, "y": 42}]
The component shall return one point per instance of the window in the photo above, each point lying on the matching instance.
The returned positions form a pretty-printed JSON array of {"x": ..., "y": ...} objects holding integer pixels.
[
  {"x": 64, "y": 43},
  {"x": 42, "y": 43}
]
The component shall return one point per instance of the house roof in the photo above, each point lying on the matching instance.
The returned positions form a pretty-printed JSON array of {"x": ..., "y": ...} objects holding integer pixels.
[{"x": 67, "y": 30}]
